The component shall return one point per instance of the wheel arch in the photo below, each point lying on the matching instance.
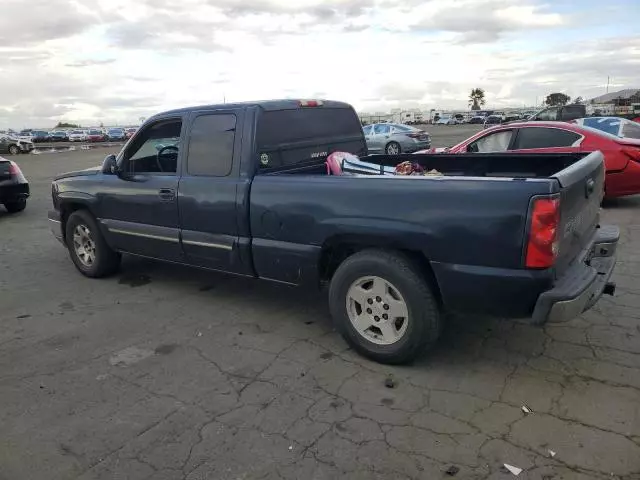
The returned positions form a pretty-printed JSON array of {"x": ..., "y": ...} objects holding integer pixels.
[
  {"x": 337, "y": 249},
  {"x": 71, "y": 203}
]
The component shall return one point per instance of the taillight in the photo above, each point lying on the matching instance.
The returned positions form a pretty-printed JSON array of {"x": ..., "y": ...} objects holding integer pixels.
[
  {"x": 542, "y": 245},
  {"x": 310, "y": 103},
  {"x": 416, "y": 135},
  {"x": 14, "y": 169},
  {"x": 632, "y": 153}
]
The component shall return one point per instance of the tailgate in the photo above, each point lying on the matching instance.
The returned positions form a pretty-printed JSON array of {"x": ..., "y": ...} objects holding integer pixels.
[{"x": 581, "y": 193}]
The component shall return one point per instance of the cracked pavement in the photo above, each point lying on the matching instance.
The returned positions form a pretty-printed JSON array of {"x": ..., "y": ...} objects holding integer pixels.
[{"x": 163, "y": 372}]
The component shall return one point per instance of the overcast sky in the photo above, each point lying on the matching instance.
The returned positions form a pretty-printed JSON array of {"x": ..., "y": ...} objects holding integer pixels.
[{"x": 117, "y": 60}]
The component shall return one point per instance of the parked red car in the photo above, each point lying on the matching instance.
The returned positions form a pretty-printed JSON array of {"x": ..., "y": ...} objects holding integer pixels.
[
  {"x": 129, "y": 132},
  {"x": 96, "y": 136},
  {"x": 622, "y": 155}
]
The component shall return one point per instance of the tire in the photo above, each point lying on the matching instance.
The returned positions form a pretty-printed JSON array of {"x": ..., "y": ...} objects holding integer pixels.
[
  {"x": 392, "y": 148},
  {"x": 413, "y": 336},
  {"x": 16, "y": 206},
  {"x": 99, "y": 260},
  {"x": 14, "y": 149}
]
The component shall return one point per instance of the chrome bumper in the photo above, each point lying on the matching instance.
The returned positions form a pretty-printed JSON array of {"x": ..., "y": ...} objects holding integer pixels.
[{"x": 584, "y": 283}]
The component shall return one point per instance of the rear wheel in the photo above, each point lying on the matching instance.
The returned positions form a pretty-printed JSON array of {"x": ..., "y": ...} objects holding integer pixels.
[
  {"x": 14, "y": 149},
  {"x": 16, "y": 206},
  {"x": 392, "y": 148},
  {"x": 88, "y": 249},
  {"x": 383, "y": 307}
]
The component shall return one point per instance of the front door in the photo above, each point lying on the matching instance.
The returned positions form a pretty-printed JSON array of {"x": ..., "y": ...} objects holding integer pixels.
[{"x": 139, "y": 206}]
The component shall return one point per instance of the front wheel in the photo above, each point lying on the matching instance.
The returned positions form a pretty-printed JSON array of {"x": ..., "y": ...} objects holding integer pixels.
[
  {"x": 16, "y": 206},
  {"x": 88, "y": 249},
  {"x": 392, "y": 148},
  {"x": 14, "y": 149},
  {"x": 384, "y": 307}
]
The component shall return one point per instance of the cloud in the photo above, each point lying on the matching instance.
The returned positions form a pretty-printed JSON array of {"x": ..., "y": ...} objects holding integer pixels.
[
  {"x": 117, "y": 60},
  {"x": 24, "y": 24}
]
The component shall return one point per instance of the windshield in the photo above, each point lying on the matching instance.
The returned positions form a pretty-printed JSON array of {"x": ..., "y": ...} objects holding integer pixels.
[
  {"x": 77, "y": 132},
  {"x": 95, "y": 132},
  {"x": 116, "y": 131}
]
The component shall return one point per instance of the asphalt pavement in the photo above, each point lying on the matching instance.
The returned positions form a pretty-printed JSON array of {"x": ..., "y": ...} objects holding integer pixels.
[{"x": 162, "y": 372}]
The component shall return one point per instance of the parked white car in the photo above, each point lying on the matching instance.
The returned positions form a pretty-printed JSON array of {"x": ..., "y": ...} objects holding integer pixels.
[
  {"x": 447, "y": 120},
  {"x": 77, "y": 136}
]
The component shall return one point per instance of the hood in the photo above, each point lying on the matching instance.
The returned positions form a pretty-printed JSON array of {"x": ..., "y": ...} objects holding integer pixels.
[{"x": 79, "y": 173}]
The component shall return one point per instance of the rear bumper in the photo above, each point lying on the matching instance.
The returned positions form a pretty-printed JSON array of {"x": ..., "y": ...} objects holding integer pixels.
[
  {"x": 11, "y": 192},
  {"x": 584, "y": 283}
]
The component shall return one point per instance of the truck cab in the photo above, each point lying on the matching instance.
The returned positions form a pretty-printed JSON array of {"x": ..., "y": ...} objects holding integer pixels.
[{"x": 563, "y": 113}]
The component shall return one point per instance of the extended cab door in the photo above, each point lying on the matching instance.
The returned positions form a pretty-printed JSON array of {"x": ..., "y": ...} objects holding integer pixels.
[
  {"x": 139, "y": 206},
  {"x": 207, "y": 192}
]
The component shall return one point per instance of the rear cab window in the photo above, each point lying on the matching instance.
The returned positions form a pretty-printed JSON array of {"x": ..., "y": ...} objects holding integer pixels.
[{"x": 291, "y": 136}]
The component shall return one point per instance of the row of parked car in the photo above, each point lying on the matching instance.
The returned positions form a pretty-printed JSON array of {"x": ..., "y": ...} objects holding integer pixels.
[{"x": 77, "y": 135}]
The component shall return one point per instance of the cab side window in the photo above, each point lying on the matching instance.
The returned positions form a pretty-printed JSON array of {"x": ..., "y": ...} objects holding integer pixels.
[
  {"x": 155, "y": 150},
  {"x": 550, "y": 114},
  {"x": 211, "y": 145}
]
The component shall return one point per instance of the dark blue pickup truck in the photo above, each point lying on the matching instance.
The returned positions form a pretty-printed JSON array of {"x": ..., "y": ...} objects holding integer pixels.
[{"x": 244, "y": 188}]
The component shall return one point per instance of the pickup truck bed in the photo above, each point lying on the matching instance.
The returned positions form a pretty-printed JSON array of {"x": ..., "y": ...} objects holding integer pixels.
[{"x": 508, "y": 235}]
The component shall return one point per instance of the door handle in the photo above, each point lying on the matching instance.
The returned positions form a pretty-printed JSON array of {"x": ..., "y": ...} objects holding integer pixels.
[{"x": 167, "y": 193}]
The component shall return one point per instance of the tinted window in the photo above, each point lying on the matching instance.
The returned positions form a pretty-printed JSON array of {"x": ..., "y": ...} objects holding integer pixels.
[
  {"x": 276, "y": 127},
  {"x": 536, "y": 137},
  {"x": 211, "y": 145},
  {"x": 571, "y": 112},
  {"x": 381, "y": 128}
]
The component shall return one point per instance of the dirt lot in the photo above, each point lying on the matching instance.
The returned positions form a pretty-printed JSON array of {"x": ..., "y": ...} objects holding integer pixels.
[{"x": 167, "y": 373}]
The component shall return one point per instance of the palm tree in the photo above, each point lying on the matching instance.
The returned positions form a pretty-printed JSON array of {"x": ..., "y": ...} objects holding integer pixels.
[{"x": 476, "y": 98}]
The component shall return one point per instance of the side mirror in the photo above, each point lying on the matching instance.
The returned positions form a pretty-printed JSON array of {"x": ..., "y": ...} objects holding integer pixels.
[{"x": 110, "y": 165}]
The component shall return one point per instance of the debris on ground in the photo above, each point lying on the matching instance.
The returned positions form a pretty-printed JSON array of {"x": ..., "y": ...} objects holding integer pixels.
[
  {"x": 452, "y": 470},
  {"x": 389, "y": 382},
  {"x": 198, "y": 334},
  {"x": 526, "y": 409},
  {"x": 552, "y": 453},
  {"x": 515, "y": 470}
]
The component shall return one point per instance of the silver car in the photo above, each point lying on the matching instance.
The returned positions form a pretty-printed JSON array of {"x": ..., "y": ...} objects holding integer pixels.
[{"x": 394, "y": 138}]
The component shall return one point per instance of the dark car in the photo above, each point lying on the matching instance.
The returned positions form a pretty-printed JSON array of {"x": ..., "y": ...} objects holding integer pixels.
[
  {"x": 13, "y": 145},
  {"x": 477, "y": 120},
  {"x": 40, "y": 136},
  {"x": 254, "y": 189},
  {"x": 14, "y": 188},
  {"x": 492, "y": 120},
  {"x": 59, "y": 136},
  {"x": 116, "y": 134}
]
